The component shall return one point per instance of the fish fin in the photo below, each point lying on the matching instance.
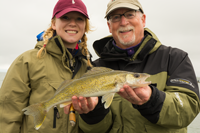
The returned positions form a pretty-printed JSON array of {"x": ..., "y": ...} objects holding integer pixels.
[
  {"x": 39, "y": 113},
  {"x": 108, "y": 99},
  {"x": 62, "y": 105},
  {"x": 96, "y": 70},
  {"x": 62, "y": 86}
]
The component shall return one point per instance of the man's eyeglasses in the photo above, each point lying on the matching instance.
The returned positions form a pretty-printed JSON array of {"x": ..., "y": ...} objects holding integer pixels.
[{"x": 117, "y": 17}]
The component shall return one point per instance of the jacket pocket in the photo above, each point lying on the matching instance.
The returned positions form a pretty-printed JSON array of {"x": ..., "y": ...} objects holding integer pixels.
[
  {"x": 44, "y": 93},
  {"x": 55, "y": 85}
]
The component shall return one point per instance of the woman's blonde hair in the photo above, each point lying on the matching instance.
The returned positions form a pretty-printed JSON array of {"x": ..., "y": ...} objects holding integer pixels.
[{"x": 50, "y": 32}]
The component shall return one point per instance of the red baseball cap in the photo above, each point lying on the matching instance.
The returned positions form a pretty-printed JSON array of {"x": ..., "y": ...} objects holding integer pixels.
[{"x": 64, "y": 6}]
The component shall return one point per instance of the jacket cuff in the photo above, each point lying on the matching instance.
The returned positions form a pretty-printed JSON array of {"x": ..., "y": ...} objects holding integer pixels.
[
  {"x": 151, "y": 109},
  {"x": 97, "y": 114}
]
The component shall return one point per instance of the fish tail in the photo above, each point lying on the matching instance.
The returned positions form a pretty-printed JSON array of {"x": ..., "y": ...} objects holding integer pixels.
[{"x": 39, "y": 113}]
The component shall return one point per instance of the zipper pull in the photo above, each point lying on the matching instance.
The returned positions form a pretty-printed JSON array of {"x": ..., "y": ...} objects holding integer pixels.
[
  {"x": 71, "y": 65},
  {"x": 56, "y": 115}
]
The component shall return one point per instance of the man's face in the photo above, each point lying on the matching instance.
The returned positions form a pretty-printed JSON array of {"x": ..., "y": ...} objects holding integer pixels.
[{"x": 127, "y": 32}]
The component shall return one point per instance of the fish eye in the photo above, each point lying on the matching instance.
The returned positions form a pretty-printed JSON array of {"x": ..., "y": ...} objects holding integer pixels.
[{"x": 136, "y": 75}]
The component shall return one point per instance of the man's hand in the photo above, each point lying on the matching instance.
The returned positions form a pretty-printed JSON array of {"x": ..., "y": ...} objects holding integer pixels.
[
  {"x": 136, "y": 96},
  {"x": 82, "y": 104}
]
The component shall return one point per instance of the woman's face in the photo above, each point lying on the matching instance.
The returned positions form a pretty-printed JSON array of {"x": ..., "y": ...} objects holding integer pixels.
[{"x": 70, "y": 27}]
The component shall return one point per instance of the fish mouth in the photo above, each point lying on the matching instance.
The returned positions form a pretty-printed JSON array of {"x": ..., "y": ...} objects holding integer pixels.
[
  {"x": 143, "y": 80},
  {"x": 140, "y": 82}
]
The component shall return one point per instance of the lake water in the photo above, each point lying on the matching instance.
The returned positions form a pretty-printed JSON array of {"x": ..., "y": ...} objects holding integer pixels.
[{"x": 194, "y": 127}]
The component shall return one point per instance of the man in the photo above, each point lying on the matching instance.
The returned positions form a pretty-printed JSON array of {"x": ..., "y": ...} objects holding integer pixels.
[{"x": 168, "y": 105}]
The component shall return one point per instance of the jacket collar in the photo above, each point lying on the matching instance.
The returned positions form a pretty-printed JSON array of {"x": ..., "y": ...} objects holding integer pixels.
[
  {"x": 106, "y": 51},
  {"x": 56, "y": 48}
]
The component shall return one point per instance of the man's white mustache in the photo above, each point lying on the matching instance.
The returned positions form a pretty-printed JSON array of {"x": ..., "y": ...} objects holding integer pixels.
[{"x": 124, "y": 29}]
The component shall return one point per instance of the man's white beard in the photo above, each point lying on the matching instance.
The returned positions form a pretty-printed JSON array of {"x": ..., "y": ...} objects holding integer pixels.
[
  {"x": 127, "y": 43},
  {"x": 121, "y": 39}
]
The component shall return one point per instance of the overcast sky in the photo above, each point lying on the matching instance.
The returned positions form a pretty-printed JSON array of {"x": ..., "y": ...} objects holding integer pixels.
[{"x": 175, "y": 22}]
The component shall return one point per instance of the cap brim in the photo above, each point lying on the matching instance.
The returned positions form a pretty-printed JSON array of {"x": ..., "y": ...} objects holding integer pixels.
[
  {"x": 60, "y": 14},
  {"x": 122, "y": 5}
]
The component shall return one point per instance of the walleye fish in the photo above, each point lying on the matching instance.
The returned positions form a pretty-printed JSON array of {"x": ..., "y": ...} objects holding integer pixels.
[{"x": 99, "y": 81}]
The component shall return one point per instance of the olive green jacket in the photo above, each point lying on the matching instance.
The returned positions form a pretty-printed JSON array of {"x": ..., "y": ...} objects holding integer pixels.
[{"x": 30, "y": 80}]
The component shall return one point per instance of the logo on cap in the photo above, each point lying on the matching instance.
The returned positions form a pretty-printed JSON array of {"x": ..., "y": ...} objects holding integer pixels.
[{"x": 73, "y": 2}]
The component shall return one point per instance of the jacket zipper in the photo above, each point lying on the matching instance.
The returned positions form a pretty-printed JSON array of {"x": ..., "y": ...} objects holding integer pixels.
[
  {"x": 72, "y": 67},
  {"x": 56, "y": 115}
]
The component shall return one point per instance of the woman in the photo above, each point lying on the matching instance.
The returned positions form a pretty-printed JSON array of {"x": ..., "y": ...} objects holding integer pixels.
[{"x": 36, "y": 74}]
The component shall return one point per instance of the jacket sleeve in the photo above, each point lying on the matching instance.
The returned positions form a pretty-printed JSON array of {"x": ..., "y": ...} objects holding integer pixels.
[
  {"x": 14, "y": 95},
  {"x": 151, "y": 109},
  {"x": 181, "y": 104},
  {"x": 178, "y": 105}
]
